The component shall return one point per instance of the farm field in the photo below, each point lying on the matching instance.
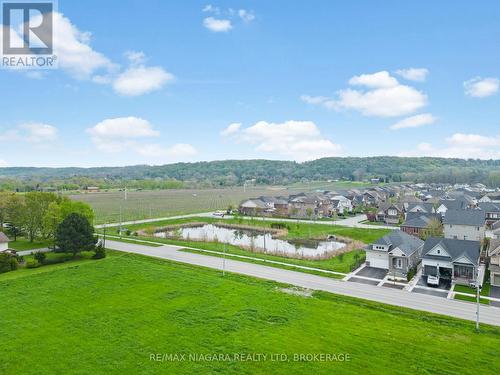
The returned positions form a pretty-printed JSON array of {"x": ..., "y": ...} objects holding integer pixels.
[
  {"x": 147, "y": 204},
  {"x": 162, "y": 203},
  {"x": 110, "y": 316}
]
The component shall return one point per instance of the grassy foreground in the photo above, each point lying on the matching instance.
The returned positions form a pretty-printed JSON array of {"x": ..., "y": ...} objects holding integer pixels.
[{"x": 109, "y": 316}]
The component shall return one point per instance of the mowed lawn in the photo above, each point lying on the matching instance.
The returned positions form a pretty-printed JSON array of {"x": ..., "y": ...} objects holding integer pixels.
[{"x": 108, "y": 316}]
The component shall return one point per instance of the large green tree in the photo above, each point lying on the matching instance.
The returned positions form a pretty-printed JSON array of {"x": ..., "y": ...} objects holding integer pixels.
[
  {"x": 60, "y": 210},
  {"x": 36, "y": 203},
  {"x": 75, "y": 234},
  {"x": 15, "y": 210}
]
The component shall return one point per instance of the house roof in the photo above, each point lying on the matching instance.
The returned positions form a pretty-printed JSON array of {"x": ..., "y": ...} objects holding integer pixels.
[
  {"x": 408, "y": 244},
  {"x": 489, "y": 206},
  {"x": 454, "y": 204},
  {"x": 3, "y": 238},
  {"x": 419, "y": 219},
  {"x": 456, "y": 248},
  {"x": 427, "y": 207},
  {"x": 475, "y": 218},
  {"x": 494, "y": 247}
]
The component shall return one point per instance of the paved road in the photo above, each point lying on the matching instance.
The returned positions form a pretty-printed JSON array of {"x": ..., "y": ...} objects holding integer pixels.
[
  {"x": 353, "y": 222},
  {"x": 455, "y": 308},
  {"x": 28, "y": 252}
]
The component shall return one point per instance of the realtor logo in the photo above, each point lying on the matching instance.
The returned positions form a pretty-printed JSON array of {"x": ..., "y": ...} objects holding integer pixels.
[{"x": 27, "y": 34}]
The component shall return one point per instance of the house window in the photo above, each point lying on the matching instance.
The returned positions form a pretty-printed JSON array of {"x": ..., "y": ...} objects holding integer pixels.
[{"x": 438, "y": 251}]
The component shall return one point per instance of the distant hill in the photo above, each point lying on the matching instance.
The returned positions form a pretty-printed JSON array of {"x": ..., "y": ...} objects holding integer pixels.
[{"x": 236, "y": 172}]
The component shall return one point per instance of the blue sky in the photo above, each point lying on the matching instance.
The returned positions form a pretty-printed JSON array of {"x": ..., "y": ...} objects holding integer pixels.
[{"x": 155, "y": 82}]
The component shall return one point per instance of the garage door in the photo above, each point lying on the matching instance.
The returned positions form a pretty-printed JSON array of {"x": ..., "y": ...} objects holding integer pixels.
[
  {"x": 378, "y": 260},
  {"x": 430, "y": 270},
  {"x": 496, "y": 279}
]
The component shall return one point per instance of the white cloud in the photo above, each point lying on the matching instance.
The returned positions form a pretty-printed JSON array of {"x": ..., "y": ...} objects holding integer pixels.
[
  {"x": 3, "y": 163},
  {"x": 462, "y": 146},
  {"x": 123, "y": 134},
  {"x": 299, "y": 140},
  {"x": 74, "y": 52},
  {"x": 375, "y": 80},
  {"x": 481, "y": 87},
  {"x": 413, "y": 74},
  {"x": 76, "y": 56},
  {"x": 123, "y": 127},
  {"x": 231, "y": 129},
  {"x": 217, "y": 25},
  {"x": 32, "y": 132},
  {"x": 414, "y": 121},
  {"x": 384, "y": 96},
  {"x": 210, "y": 9},
  {"x": 246, "y": 15},
  {"x": 141, "y": 80},
  {"x": 135, "y": 57}
]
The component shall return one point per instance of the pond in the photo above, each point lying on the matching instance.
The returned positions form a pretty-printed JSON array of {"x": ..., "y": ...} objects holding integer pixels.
[{"x": 254, "y": 240}]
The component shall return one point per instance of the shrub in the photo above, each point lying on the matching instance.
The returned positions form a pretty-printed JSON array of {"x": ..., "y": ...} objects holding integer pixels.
[
  {"x": 14, "y": 265},
  {"x": 32, "y": 263},
  {"x": 128, "y": 232},
  {"x": 7, "y": 262},
  {"x": 411, "y": 272},
  {"x": 100, "y": 252},
  {"x": 40, "y": 257},
  {"x": 135, "y": 234}
]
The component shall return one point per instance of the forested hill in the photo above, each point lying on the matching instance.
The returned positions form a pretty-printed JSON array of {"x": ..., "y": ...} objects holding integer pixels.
[{"x": 236, "y": 172}]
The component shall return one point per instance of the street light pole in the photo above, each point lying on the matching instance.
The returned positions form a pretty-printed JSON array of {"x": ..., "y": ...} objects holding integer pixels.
[
  {"x": 224, "y": 261},
  {"x": 477, "y": 312}
]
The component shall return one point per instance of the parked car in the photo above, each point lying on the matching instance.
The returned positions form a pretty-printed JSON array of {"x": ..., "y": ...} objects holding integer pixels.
[{"x": 433, "y": 280}]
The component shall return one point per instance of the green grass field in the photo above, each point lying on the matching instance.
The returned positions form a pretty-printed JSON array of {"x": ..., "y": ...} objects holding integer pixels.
[
  {"x": 109, "y": 316},
  {"x": 24, "y": 244}
]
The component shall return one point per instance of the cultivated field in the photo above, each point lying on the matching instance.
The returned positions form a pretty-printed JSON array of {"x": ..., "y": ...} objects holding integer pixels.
[
  {"x": 161, "y": 203},
  {"x": 110, "y": 316}
]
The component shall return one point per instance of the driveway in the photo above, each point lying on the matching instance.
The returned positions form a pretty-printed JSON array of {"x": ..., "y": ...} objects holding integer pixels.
[
  {"x": 430, "y": 303},
  {"x": 495, "y": 293},
  {"x": 443, "y": 284},
  {"x": 374, "y": 273}
]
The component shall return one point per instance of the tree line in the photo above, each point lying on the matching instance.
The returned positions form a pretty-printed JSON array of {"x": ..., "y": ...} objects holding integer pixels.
[
  {"x": 37, "y": 215},
  {"x": 226, "y": 173}
]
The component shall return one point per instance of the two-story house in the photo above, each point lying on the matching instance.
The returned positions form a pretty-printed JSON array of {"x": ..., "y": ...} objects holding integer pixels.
[
  {"x": 396, "y": 252},
  {"x": 464, "y": 224},
  {"x": 451, "y": 259},
  {"x": 494, "y": 255},
  {"x": 390, "y": 213}
]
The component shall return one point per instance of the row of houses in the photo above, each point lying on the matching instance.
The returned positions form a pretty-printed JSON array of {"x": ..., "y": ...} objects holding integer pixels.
[
  {"x": 320, "y": 203},
  {"x": 451, "y": 259}
]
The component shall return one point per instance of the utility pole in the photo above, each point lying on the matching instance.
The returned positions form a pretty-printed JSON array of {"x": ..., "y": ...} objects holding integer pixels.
[
  {"x": 104, "y": 237},
  {"x": 477, "y": 312},
  {"x": 120, "y": 221},
  {"x": 224, "y": 261}
]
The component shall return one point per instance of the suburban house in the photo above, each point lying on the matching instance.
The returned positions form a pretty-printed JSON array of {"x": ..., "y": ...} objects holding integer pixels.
[
  {"x": 492, "y": 212},
  {"x": 396, "y": 252},
  {"x": 252, "y": 207},
  {"x": 341, "y": 204},
  {"x": 451, "y": 259},
  {"x": 303, "y": 206},
  {"x": 423, "y": 207},
  {"x": 4, "y": 242},
  {"x": 416, "y": 223},
  {"x": 390, "y": 213},
  {"x": 494, "y": 255},
  {"x": 464, "y": 224}
]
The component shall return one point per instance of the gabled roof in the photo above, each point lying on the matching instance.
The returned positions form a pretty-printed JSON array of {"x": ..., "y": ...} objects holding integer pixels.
[
  {"x": 456, "y": 248},
  {"x": 454, "y": 204},
  {"x": 494, "y": 247},
  {"x": 427, "y": 207},
  {"x": 3, "y": 238},
  {"x": 419, "y": 220},
  {"x": 408, "y": 244},
  {"x": 474, "y": 218},
  {"x": 489, "y": 206}
]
